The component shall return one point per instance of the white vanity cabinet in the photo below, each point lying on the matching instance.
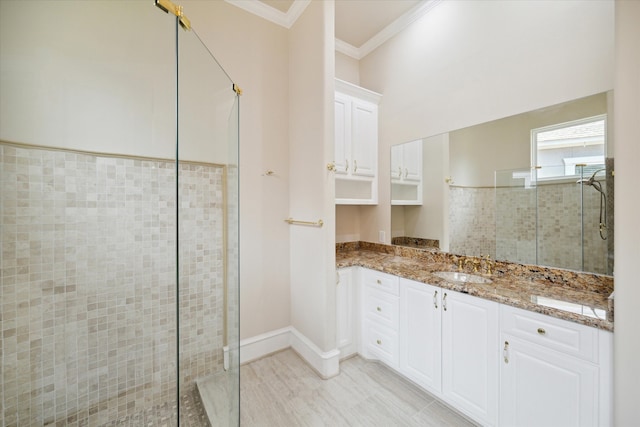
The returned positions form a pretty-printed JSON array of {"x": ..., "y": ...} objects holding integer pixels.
[
  {"x": 346, "y": 319},
  {"x": 380, "y": 317},
  {"x": 421, "y": 334},
  {"x": 356, "y": 144},
  {"x": 470, "y": 355},
  {"x": 497, "y": 364},
  {"x": 553, "y": 372}
]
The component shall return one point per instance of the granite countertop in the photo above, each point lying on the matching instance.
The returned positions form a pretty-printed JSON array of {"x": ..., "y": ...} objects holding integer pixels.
[{"x": 574, "y": 296}]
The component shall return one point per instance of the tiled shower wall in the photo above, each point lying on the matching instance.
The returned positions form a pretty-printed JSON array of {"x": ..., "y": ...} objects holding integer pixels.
[
  {"x": 472, "y": 221},
  {"x": 88, "y": 292},
  {"x": 507, "y": 227}
]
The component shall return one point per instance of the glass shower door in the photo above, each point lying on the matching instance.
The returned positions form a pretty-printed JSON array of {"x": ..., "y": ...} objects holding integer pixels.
[{"x": 207, "y": 167}]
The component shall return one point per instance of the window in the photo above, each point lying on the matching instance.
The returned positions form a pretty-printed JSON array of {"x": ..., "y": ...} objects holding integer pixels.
[{"x": 558, "y": 150}]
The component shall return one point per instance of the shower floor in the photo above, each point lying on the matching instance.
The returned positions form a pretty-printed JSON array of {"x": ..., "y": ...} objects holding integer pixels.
[{"x": 192, "y": 414}]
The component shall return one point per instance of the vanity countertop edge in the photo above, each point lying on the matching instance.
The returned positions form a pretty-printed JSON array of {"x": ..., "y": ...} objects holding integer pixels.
[{"x": 529, "y": 287}]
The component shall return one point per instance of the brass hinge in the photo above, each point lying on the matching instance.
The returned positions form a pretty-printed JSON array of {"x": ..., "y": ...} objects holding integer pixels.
[
  {"x": 169, "y": 7},
  {"x": 237, "y": 89}
]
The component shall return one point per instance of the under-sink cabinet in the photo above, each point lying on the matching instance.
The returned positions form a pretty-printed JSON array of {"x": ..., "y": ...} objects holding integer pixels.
[
  {"x": 497, "y": 364},
  {"x": 553, "y": 372}
]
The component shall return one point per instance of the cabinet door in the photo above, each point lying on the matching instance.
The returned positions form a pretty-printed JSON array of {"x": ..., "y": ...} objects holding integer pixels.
[
  {"x": 396, "y": 162},
  {"x": 412, "y": 161},
  {"x": 420, "y": 334},
  {"x": 542, "y": 387},
  {"x": 470, "y": 355},
  {"x": 345, "y": 318},
  {"x": 342, "y": 148},
  {"x": 364, "y": 138}
]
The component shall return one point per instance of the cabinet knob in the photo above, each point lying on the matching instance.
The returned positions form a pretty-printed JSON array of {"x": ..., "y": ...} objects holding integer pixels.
[
  {"x": 379, "y": 342},
  {"x": 379, "y": 282},
  {"x": 378, "y": 308},
  {"x": 541, "y": 331},
  {"x": 331, "y": 167}
]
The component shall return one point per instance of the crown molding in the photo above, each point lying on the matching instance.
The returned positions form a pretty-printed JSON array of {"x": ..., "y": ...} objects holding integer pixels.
[
  {"x": 270, "y": 14},
  {"x": 387, "y": 32},
  {"x": 297, "y": 8},
  {"x": 347, "y": 49}
]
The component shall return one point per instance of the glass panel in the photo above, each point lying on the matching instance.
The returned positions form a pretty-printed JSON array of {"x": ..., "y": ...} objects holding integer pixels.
[
  {"x": 595, "y": 219},
  {"x": 516, "y": 216},
  {"x": 208, "y": 233},
  {"x": 88, "y": 214},
  {"x": 559, "y": 232}
]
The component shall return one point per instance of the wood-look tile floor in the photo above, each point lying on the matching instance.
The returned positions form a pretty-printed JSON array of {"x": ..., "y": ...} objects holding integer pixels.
[{"x": 282, "y": 390}]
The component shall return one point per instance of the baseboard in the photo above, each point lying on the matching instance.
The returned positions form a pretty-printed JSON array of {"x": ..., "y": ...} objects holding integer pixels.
[{"x": 325, "y": 363}]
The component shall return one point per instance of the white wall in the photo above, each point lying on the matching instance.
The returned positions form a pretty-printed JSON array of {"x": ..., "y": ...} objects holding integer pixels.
[
  {"x": 468, "y": 62},
  {"x": 311, "y": 190},
  {"x": 627, "y": 212}
]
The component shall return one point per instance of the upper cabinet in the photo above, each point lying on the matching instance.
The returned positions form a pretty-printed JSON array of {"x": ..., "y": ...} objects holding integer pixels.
[
  {"x": 356, "y": 144},
  {"x": 406, "y": 173}
]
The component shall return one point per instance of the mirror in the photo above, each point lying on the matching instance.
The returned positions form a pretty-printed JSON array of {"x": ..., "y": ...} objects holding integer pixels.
[{"x": 473, "y": 191}]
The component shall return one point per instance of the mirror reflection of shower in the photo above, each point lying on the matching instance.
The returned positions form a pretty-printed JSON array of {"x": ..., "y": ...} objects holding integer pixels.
[{"x": 597, "y": 185}]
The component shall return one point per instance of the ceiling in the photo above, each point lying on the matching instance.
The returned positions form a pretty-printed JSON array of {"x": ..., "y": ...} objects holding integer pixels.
[{"x": 360, "y": 25}]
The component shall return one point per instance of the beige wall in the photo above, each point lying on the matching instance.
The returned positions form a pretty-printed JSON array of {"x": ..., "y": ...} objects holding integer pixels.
[
  {"x": 430, "y": 221},
  {"x": 311, "y": 189},
  {"x": 81, "y": 75},
  {"x": 104, "y": 82},
  {"x": 244, "y": 43},
  {"x": 468, "y": 62},
  {"x": 627, "y": 211},
  {"x": 477, "y": 151},
  {"x": 347, "y": 68}
]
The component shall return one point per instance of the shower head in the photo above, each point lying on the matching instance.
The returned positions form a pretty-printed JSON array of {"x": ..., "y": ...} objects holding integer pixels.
[{"x": 591, "y": 179}]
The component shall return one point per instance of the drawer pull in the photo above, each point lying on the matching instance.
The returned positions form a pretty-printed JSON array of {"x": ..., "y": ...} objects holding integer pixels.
[
  {"x": 541, "y": 331},
  {"x": 379, "y": 342},
  {"x": 435, "y": 299},
  {"x": 379, "y": 282},
  {"x": 505, "y": 352},
  {"x": 444, "y": 302},
  {"x": 378, "y": 308}
]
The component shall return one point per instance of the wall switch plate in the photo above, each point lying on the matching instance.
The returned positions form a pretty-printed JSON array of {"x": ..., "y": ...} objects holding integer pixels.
[{"x": 381, "y": 236}]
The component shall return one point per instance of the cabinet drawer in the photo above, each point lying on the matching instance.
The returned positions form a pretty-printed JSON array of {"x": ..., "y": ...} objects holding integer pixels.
[
  {"x": 382, "y": 343},
  {"x": 381, "y": 307},
  {"x": 381, "y": 281},
  {"x": 557, "y": 334}
]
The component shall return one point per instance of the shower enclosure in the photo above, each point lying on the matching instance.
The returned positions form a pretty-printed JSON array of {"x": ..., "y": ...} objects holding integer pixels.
[
  {"x": 564, "y": 223},
  {"x": 119, "y": 218}
]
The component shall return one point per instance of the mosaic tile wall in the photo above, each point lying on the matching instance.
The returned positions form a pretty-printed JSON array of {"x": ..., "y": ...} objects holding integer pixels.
[
  {"x": 472, "y": 221},
  {"x": 88, "y": 284},
  {"x": 473, "y": 225}
]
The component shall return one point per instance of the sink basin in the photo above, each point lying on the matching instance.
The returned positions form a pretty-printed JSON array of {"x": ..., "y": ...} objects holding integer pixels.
[{"x": 456, "y": 276}]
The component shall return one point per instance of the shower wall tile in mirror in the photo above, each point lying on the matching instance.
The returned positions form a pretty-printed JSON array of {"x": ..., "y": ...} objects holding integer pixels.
[
  {"x": 89, "y": 284},
  {"x": 548, "y": 233}
]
